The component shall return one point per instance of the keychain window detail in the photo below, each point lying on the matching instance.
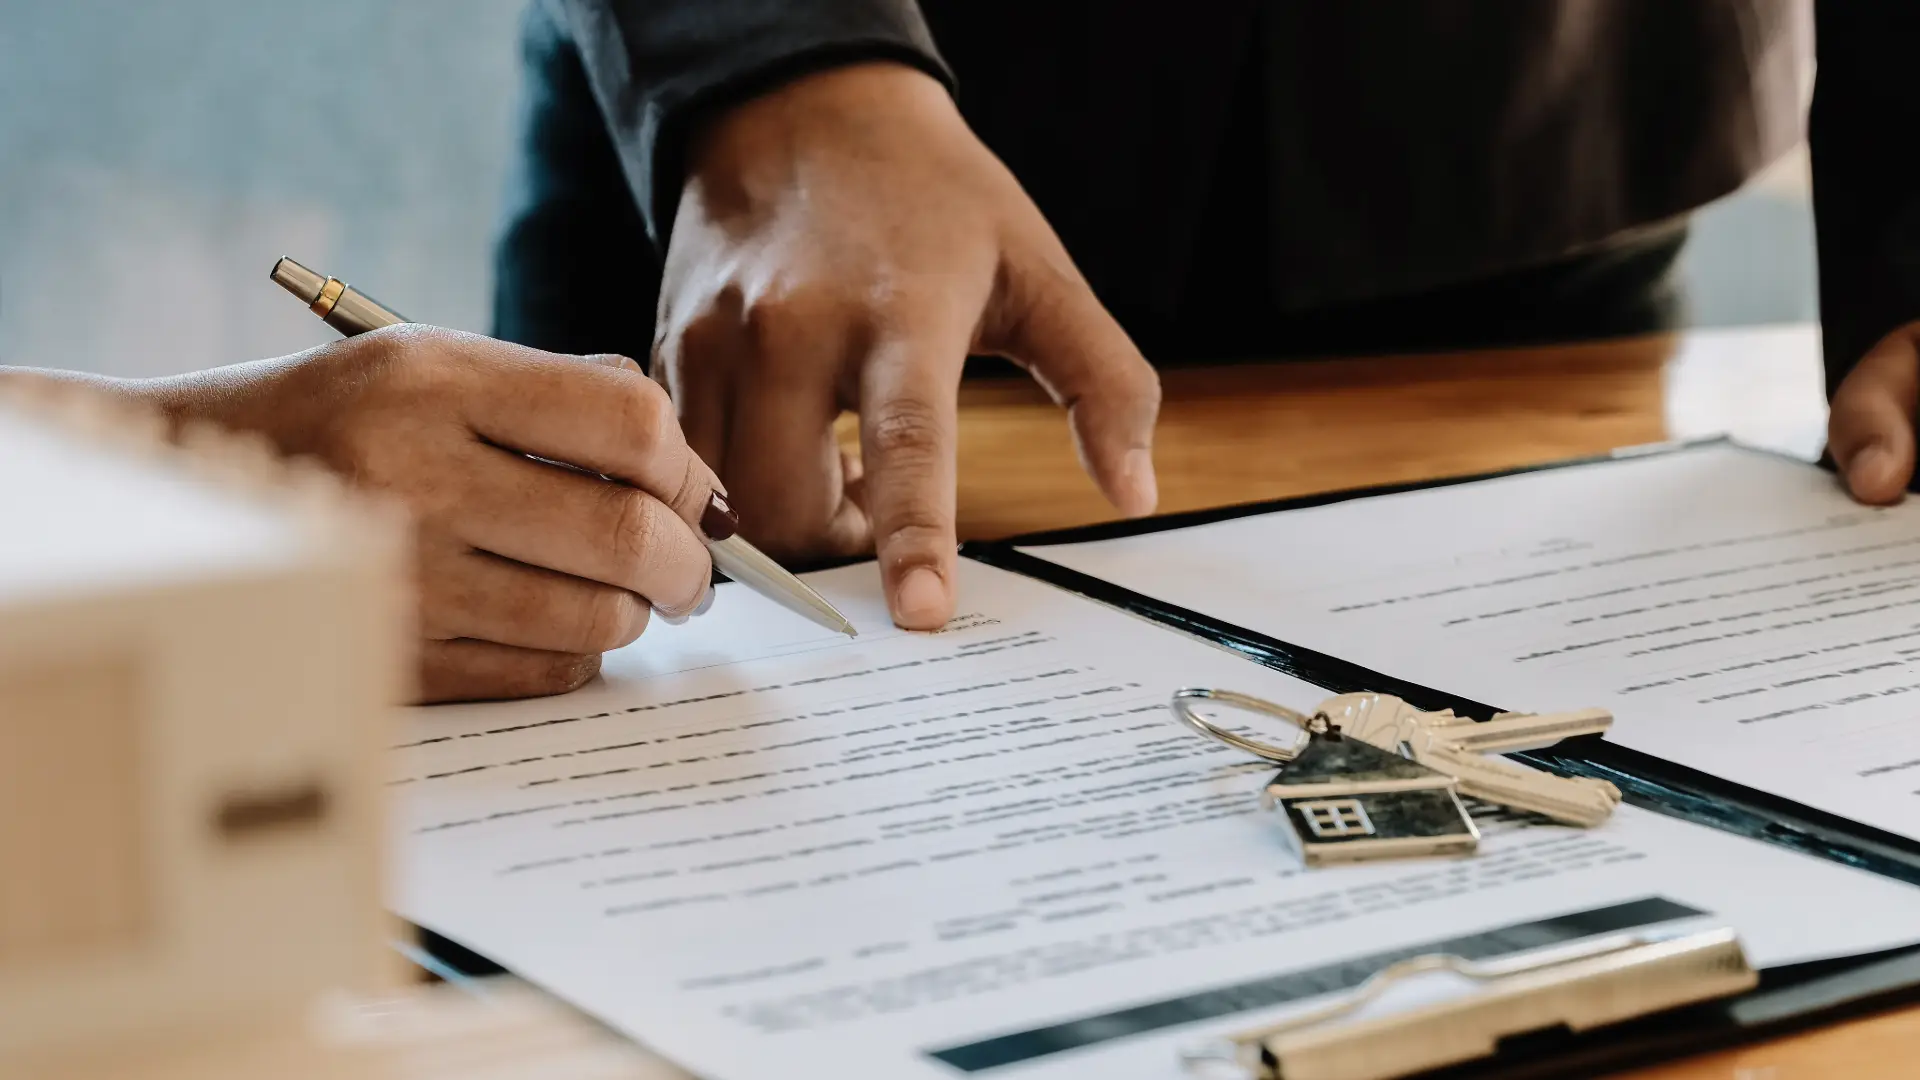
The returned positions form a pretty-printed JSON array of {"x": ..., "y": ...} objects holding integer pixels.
[{"x": 1335, "y": 817}]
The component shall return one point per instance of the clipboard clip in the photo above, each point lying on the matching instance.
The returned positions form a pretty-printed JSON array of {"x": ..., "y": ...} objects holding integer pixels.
[{"x": 1576, "y": 987}]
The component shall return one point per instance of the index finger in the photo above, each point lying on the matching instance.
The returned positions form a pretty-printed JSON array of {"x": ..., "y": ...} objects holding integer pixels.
[
  {"x": 604, "y": 416},
  {"x": 909, "y": 419}
]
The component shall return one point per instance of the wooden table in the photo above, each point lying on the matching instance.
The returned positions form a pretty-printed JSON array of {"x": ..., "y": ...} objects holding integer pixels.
[
  {"x": 1246, "y": 433},
  {"x": 1252, "y": 432}
]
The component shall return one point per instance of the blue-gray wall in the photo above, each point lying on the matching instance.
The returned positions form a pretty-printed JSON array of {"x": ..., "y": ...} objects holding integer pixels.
[{"x": 156, "y": 157}]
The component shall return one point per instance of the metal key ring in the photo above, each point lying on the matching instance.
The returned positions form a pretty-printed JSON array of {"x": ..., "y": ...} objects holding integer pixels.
[{"x": 1182, "y": 705}]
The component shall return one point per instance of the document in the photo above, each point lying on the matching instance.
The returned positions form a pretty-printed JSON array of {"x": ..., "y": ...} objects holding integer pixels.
[
  {"x": 762, "y": 849},
  {"x": 1736, "y": 610}
]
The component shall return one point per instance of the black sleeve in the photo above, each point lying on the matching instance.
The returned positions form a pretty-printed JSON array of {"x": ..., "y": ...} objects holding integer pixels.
[
  {"x": 1864, "y": 131},
  {"x": 656, "y": 65}
]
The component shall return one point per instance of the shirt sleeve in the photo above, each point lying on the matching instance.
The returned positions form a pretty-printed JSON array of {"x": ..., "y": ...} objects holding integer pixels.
[
  {"x": 655, "y": 66},
  {"x": 1866, "y": 190}
]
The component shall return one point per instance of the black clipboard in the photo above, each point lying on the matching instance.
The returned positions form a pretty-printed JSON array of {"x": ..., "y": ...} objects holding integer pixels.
[{"x": 1788, "y": 999}]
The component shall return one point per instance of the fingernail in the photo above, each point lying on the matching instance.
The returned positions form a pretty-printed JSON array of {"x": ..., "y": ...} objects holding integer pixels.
[
  {"x": 670, "y": 620},
  {"x": 706, "y": 604},
  {"x": 1143, "y": 488},
  {"x": 921, "y": 600},
  {"x": 719, "y": 521}
]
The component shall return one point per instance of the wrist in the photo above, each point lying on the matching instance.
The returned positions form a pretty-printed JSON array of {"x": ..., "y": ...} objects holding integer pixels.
[
  {"x": 841, "y": 102},
  {"x": 240, "y": 397}
]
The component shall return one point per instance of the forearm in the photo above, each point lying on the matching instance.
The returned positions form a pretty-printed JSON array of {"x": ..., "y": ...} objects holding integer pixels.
[
  {"x": 228, "y": 396},
  {"x": 21, "y": 380}
]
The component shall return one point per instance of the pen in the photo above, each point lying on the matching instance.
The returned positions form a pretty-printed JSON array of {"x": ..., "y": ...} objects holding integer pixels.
[{"x": 351, "y": 312}]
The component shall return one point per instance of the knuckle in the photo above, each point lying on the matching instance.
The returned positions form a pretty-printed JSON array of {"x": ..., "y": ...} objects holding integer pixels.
[
  {"x": 797, "y": 316},
  {"x": 563, "y": 673},
  {"x": 636, "y": 529},
  {"x": 709, "y": 328},
  {"x": 770, "y": 322},
  {"x": 916, "y": 536},
  {"x": 414, "y": 357},
  {"x": 645, "y": 412},
  {"x": 904, "y": 428},
  {"x": 609, "y": 619},
  {"x": 701, "y": 337},
  {"x": 765, "y": 325}
]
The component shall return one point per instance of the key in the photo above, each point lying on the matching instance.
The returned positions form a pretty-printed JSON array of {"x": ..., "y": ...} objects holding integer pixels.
[
  {"x": 1509, "y": 732},
  {"x": 1575, "y": 800},
  {"x": 1455, "y": 745}
]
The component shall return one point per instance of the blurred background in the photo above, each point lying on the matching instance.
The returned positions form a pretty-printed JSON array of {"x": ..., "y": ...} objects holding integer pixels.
[{"x": 155, "y": 160}]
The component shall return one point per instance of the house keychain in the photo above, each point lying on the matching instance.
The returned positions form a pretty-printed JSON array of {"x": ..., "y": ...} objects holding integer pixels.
[{"x": 1372, "y": 777}]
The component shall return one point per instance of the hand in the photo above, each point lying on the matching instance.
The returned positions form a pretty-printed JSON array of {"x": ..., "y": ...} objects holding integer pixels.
[
  {"x": 1870, "y": 425},
  {"x": 845, "y": 242},
  {"x": 526, "y": 571}
]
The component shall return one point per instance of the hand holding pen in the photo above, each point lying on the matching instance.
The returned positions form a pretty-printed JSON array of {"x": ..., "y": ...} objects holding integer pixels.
[
  {"x": 526, "y": 572},
  {"x": 352, "y": 312}
]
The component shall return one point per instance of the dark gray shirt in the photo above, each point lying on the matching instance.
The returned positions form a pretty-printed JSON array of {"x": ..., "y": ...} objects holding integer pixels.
[{"x": 1401, "y": 146}]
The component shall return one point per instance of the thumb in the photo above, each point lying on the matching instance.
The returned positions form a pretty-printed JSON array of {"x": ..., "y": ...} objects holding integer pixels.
[
  {"x": 1870, "y": 425},
  {"x": 1053, "y": 326}
]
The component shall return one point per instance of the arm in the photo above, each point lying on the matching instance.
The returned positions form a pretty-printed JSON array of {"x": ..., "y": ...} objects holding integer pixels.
[
  {"x": 838, "y": 239},
  {"x": 658, "y": 66},
  {"x": 1866, "y": 107},
  {"x": 524, "y": 573}
]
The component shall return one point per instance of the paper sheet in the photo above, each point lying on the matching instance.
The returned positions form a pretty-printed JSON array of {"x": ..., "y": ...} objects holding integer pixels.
[
  {"x": 763, "y": 849},
  {"x": 1737, "y": 612}
]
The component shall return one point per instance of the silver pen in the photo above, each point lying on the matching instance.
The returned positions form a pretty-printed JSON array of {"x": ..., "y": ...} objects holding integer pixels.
[{"x": 351, "y": 312}]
